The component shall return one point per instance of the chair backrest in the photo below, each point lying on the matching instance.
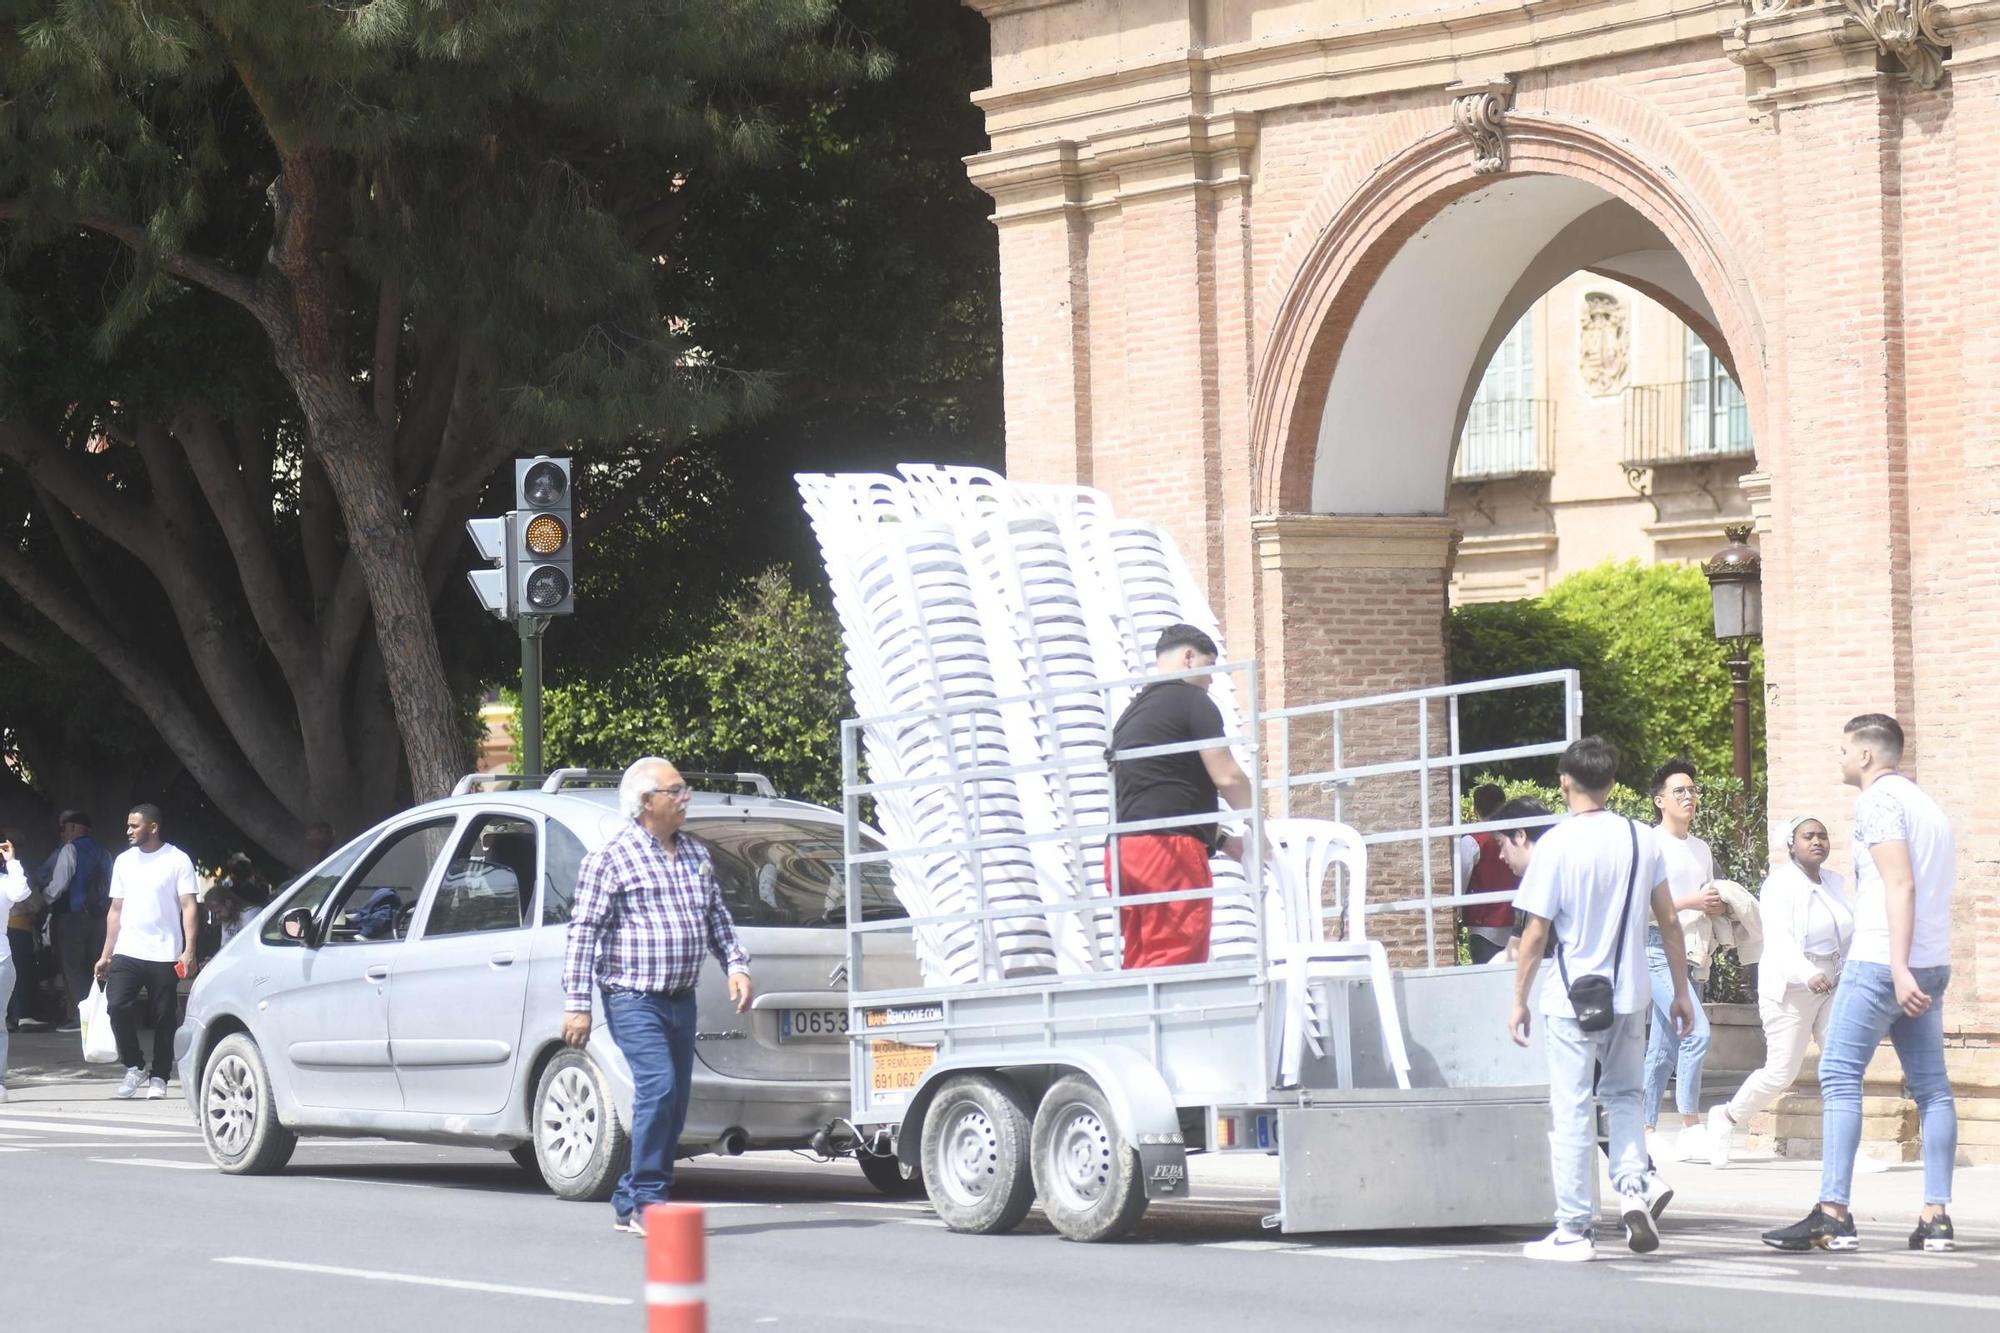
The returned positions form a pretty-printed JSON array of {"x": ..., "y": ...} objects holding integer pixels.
[{"x": 1303, "y": 850}]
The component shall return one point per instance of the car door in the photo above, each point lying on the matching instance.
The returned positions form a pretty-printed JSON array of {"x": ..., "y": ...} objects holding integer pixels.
[
  {"x": 455, "y": 1003},
  {"x": 332, "y": 1024}
]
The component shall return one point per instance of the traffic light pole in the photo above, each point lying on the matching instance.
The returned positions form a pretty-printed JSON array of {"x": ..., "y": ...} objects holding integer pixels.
[{"x": 531, "y": 628}]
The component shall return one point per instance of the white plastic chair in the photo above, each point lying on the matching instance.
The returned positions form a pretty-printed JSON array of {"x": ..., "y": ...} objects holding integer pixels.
[{"x": 1300, "y": 851}]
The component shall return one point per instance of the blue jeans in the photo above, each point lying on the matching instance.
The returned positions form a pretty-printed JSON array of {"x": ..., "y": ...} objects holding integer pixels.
[
  {"x": 1864, "y": 1011},
  {"x": 655, "y": 1032},
  {"x": 1573, "y": 1058},
  {"x": 1661, "y": 1043},
  {"x": 7, "y": 983}
]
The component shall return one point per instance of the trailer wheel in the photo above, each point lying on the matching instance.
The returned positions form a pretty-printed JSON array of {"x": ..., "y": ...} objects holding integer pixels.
[
  {"x": 975, "y": 1158},
  {"x": 1086, "y": 1175}
]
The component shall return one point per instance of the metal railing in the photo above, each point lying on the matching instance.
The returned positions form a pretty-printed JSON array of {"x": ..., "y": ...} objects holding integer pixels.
[
  {"x": 1506, "y": 437},
  {"x": 1688, "y": 421}
]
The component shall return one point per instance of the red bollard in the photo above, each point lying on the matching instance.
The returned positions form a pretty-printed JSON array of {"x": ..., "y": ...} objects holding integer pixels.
[{"x": 676, "y": 1269}]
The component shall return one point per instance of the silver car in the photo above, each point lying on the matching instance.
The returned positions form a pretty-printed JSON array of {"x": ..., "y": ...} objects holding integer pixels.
[{"x": 409, "y": 987}]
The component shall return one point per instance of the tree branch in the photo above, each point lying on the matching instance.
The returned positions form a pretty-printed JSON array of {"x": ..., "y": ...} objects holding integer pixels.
[
  {"x": 388, "y": 337},
  {"x": 317, "y": 540},
  {"x": 50, "y": 465},
  {"x": 64, "y": 525}
]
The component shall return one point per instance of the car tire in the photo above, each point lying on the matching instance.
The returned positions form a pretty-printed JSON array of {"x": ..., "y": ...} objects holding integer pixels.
[
  {"x": 1086, "y": 1174},
  {"x": 887, "y": 1173},
  {"x": 975, "y": 1157},
  {"x": 581, "y": 1147},
  {"x": 239, "y": 1116},
  {"x": 526, "y": 1157}
]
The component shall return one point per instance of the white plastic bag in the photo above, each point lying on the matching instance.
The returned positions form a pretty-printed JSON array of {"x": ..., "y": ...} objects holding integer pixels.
[{"x": 94, "y": 1014}]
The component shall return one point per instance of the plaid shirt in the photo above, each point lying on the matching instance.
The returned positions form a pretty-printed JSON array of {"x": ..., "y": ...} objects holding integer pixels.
[{"x": 642, "y": 918}]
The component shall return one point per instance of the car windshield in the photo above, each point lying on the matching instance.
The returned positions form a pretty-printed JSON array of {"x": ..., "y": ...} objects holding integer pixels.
[{"x": 780, "y": 872}]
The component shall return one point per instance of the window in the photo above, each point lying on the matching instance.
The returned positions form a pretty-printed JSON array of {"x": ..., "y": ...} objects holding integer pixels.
[
  {"x": 565, "y": 859},
  {"x": 376, "y": 902},
  {"x": 776, "y": 872},
  {"x": 489, "y": 883},
  {"x": 309, "y": 893},
  {"x": 1499, "y": 436},
  {"x": 1718, "y": 420}
]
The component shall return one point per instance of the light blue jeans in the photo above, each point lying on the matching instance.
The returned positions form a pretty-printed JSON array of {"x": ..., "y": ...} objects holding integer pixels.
[
  {"x": 1661, "y": 1055},
  {"x": 1574, "y": 1058},
  {"x": 1865, "y": 1011},
  {"x": 7, "y": 980}
]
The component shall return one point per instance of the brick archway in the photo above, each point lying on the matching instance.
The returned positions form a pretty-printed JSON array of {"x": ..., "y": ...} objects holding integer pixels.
[{"x": 1376, "y": 217}]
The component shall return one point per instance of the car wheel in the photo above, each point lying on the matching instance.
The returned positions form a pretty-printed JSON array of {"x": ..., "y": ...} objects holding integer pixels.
[
  {"x": 1086, "y": 1174},
  {"x": 239, "y": 1117},
  {"x": 580, "y": 1146},
  {"x": 975, "y": 1158},
  {"x": 888, "y": 1174}
]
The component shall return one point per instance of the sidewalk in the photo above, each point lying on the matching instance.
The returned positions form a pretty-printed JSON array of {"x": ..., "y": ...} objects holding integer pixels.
[{"x": 38, "y": 1056}]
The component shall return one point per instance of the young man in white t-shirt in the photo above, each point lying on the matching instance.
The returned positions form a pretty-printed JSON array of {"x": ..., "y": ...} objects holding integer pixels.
[
  {"x": 149, "y": 937},
  {"x": 1590, "y": 884},
  {"x": 1892, "y": 985},
  {"x": 1690, "y": 868}
]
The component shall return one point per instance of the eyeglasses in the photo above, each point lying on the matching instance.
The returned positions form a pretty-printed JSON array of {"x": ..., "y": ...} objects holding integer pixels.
[
  {"x": 1683, "y": 791},
  {"x": 677, "y": 790}
]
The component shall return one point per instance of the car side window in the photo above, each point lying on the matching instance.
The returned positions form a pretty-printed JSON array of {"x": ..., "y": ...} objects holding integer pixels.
[
  {"x": 309, "y": 892},
  {"x": 375, "y": 903},
  {"x": 565, "y": 860},
  {"x": 489, "y": 883}
]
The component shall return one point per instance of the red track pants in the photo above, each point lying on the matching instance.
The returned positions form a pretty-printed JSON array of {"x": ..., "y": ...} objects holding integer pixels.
[{"x": 1162, "y": 934}]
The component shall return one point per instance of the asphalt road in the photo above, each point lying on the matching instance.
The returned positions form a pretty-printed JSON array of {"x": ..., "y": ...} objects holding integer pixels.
[{"x": 113, "y": 1220}]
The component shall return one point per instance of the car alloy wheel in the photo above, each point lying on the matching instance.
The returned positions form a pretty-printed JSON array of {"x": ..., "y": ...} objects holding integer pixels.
[
  {"x": 570, "y": 1123},
  {"x": 231, "y": 1104}
]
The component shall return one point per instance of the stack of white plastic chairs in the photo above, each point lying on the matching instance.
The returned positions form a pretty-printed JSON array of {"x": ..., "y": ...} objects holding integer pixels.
[{"x": 954, "y": 586}]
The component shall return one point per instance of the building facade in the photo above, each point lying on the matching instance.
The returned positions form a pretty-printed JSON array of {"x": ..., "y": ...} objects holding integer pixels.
[{"x": 1255, "y": 255}]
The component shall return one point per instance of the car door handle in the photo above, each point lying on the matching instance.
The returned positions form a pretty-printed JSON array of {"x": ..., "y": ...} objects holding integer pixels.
[
  {"x": 505, "y": 958},
  {"x": 379, "y": 972}
]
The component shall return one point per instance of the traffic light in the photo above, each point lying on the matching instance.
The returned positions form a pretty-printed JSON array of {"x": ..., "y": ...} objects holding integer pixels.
[
  {"x": 494, "y": 538},
  {"x": 544, "y": 548}
]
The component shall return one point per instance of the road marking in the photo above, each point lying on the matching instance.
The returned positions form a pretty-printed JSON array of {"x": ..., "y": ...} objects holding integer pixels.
[
  {"x": 917, "y": 1221},
  {"x": 419, "y": 1280},
  {"x": 363, "y": 1180},
  {"x": 85, "y": 1127},
  {"x": 1253, "y": 1245},
  {"x": 4, "y": 1148},
  {"x": 44, "y": 1145},
  {"x": 882, "y": 1203},
  {"x": 1904, "y": 1295},
  {"x": 1397, "y": 1254},
  {"x": 156, "y": 1161}
]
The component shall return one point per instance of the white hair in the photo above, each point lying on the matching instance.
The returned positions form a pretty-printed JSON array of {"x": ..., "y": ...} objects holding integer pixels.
[{"x": 638, "y": 780}]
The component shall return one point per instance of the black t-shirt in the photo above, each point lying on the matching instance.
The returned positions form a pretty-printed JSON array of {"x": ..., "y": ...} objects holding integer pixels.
[{"x": 1167, "y": 784}]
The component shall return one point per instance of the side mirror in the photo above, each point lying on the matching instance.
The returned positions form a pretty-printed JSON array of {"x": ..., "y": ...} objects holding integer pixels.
[{"x": 298, "y": 925}]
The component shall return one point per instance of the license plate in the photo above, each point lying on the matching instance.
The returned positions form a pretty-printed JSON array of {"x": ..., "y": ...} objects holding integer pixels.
[
  {"x": 898, "y": 1066},
  {"x": 811, "y": 1024}
]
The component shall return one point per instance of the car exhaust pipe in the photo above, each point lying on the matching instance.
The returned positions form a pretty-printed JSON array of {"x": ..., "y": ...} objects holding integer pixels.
[{"x": 732, "y": 1143}]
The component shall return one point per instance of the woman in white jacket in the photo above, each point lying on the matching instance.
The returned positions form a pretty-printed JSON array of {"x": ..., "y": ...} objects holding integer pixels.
[
  {"x": 13, "y": 889},
  {"x": 1808, "y": 922}
]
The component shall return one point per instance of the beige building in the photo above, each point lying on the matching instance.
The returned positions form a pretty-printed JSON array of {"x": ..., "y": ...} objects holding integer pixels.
[{"x": 1603, "y": 428}]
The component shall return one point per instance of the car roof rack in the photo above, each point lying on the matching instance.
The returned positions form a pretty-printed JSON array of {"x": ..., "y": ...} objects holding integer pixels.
[
  {"x": 564, "y": 779},
  {"x": 473, "y": 782}
]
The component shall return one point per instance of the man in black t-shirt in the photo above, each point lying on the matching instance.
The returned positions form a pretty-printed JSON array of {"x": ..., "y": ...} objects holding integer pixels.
[{"x": 1162, "y": 786}]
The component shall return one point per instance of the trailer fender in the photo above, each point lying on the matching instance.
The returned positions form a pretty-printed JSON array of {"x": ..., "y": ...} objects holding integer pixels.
[{"x": 1141, "y": 1104}]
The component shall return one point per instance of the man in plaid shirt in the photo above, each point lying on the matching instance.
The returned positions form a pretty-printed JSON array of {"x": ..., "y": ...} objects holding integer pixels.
[{"x": 647, "y": 907}]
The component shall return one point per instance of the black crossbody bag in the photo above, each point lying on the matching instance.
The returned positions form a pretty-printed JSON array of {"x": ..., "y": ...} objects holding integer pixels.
[{"x": 1591, "y": 995}]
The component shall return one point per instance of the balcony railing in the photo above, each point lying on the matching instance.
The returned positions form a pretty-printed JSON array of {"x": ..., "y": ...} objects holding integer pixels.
[
  {"x": 1692, "y": 421},
  {"x": 1507, "y": 437}
]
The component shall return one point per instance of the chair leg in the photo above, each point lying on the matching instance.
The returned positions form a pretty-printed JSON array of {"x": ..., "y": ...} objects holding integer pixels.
[
  {"x": 1340, "y": 1018},
  {"x": 1383, "y": 984}
]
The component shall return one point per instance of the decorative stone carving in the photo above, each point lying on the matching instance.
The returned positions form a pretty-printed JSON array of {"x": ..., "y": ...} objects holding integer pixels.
[
  {"x": 1909, "y": 30},
  {"x": 1478, "y": 109},
  {"x": 1604, "y": 343}
]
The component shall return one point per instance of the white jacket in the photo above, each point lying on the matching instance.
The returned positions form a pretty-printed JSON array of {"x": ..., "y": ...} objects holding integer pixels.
[
  {"x": 1740, "y": 928},
  {"x": 1785, "y": 896}
]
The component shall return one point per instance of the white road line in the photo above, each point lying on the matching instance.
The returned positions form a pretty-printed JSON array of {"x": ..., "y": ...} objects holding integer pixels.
[
  {"x": 1253, "y": 1245},
  {"x": 917, "y": 1221},
  {"x": 4, "y": 1148},
  {"x": 166, "y": 1163},
  {"x": 363, "y": 1180},
  {"x": 44, "y": 1145},
  {"x": 86, "y": 1127},
  {"x": 420, "y": 1280},
  {"x": 1397, "y": 1254},
  {"x": 883, "y": 1203},
  {"x": 1903, "y": 1295}
]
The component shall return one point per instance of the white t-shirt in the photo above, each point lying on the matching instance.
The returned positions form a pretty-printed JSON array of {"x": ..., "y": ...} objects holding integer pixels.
[
  {"x": 149, "y": 886},
  {"x": 1689, "y": 864},
  {"x": 1895, "y": 809},
  {"x": 1577, "y": 881},
  {"x": 1827, "y": 917}
]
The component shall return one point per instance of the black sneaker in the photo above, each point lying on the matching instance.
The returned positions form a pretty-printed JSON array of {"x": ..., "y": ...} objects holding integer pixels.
[
  {"x": 1934, "y": 1236},
  {"x": 1818, "y": 1230}
]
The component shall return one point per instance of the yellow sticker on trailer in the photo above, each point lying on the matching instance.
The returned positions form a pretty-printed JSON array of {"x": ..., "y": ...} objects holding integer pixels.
[{"x": 898, "y": 1066}]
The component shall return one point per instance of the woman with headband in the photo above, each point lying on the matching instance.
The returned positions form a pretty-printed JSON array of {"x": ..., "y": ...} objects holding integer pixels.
[{"x": 1808, "y": 922}]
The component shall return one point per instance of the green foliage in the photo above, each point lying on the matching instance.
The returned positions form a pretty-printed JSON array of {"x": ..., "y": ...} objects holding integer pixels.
[
  {"x": 1653, "y": 676},
  {"x": 761, "y": 688}
]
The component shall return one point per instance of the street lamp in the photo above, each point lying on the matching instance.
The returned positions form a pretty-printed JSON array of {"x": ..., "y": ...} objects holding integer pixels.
[{"x": 1736, "y": 586}]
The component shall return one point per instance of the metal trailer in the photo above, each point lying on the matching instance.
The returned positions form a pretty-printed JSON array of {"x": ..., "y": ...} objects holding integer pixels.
[{"x": 1087, "y": 1091}]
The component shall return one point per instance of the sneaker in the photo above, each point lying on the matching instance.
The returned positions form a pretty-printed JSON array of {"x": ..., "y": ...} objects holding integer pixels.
[
  {"x": 631, "y": 1223},
  {"x": 1691, "y": 1144},
  {"x": 1658, "y": 1194},
  {"x": 1637, "y": 1215},
  {"x": 135, "y": 1081},
  {"x": 156, "y": 1089},
  {"x": 1720, "y": 1129},
  {"x": 69, "y": 1027},
  {"x": 3, "y": 1097},
  {"x": 1932, "y": 1237},
  {"x": 1817, "y": 1230},
  {"x": 1561, "y": 1247},
  {"x": 1663, "y": 1147}
]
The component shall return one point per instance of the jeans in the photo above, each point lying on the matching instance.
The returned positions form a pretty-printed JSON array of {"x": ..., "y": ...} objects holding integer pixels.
[
  {"x": 1573, "y": 1057},
  {"x": 1660, "y": 1043},
  {"x": 1864, "y": 1011},
  {"x": 21, "y": 953},
  {"x": 7, "y": 983},
  {"x": 160, "y": 1011},
  {"x": 655, "y": 1031}
]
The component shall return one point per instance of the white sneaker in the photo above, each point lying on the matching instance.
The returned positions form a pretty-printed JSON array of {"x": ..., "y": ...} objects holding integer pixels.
[
  {"x": 1691, "y": 1144},
  {"x": 135, "y": 1080},
  {"x": 3, "y": 1093},
  {"x": 1637, "y": 1215},
  {"x": 1658, "y": 1194},
  {"x": 1561, "y": 1247},
  {"x": 1663, "y": 1147},
  {"x": 1720, "y": 1129},
  {"x": 156, "y": 1089}
]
